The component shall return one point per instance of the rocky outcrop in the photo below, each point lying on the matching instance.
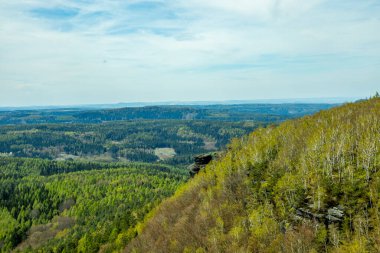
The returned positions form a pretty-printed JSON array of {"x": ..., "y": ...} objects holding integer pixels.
[
  {"x": 332, "y": 215},
  {"x": 200, "y": 161}
]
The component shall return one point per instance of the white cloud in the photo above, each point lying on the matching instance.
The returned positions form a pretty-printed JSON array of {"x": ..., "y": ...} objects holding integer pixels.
[{"x": 116, "y": 54}]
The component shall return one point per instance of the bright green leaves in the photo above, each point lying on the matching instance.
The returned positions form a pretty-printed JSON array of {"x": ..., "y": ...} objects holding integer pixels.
[
  {"x": 274, "y": 190},
  {"x": 8, "y": 226},
  {"x": 82, "y": 211}
]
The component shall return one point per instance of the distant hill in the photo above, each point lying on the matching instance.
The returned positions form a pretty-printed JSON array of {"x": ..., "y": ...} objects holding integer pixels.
[
  {"x": 237, "y": 112},
  {"x": 308, "y": 185},
  {"x": 336, "y": 100}
]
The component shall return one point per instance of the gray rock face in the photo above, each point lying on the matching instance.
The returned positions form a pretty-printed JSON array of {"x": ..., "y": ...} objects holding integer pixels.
[
  {"x": 200, "y": 161},
  {"x": 333, "y": 215}
]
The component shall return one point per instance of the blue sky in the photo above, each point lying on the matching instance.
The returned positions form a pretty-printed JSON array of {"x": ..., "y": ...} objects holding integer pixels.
[{"x": 63, "y": 52}]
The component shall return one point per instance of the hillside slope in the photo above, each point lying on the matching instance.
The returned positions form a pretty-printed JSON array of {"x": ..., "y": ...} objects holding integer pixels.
[{"x": 308, "y": 185}]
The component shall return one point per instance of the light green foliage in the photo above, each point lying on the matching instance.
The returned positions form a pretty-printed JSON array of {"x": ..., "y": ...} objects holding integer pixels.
[
  {"x": 252, "y": 199},
  {"x": 83, "y": 211},
  {"x": 8, "y": 225}
]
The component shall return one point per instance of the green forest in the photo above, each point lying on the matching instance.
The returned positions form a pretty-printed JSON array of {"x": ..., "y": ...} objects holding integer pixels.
[
  {"x": 307, "y": 185},
  {"x": 310, "y": 184},
  {"x": 163, "y": 134},
  {"x": 46, "y": 207},
  {"x": 189, "y": 126},
  {"x": 236, "y": 112},
  {"x": 136, "y": 141}
]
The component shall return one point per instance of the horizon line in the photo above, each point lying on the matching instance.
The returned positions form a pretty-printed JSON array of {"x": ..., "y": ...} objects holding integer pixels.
[{"x": 112, "y": 105}]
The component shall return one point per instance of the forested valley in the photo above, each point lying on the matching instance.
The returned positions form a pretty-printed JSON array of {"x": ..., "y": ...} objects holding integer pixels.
[
  {"x": 190, "y": 126},
  {"x": 166, "y": 134},
  {"x": 168, "y": 141},
  {"x": 88, "y": 185}
]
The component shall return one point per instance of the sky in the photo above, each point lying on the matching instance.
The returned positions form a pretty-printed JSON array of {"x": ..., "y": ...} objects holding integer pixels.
[{"x": 62, "y": 52}]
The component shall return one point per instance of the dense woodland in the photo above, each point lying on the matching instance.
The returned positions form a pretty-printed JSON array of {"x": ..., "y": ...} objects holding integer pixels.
[
  {"x": 308, "y": 185},
  {"x": 120, "y": 141},
  {"x": 254, "y": 112},
  {"x": 138, "y": 134},
  {"x": 45, "y": 207},
  {"x": 74, "y": 182}
]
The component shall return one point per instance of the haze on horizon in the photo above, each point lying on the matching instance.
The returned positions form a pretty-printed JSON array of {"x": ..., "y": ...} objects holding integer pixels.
[{"x": 64, "y": 52}]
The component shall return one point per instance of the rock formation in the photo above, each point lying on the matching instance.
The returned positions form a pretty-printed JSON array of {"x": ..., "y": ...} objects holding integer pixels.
[{"x": 200, "y": 161}]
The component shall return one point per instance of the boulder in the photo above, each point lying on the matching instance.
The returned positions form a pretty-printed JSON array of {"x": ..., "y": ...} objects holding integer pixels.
[{"x": 200, "y": 161}]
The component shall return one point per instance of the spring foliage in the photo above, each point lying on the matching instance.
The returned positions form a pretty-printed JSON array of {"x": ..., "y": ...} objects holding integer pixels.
[
  {"x": 250, "y": 200},
  {"x": 85, "y": 211}
]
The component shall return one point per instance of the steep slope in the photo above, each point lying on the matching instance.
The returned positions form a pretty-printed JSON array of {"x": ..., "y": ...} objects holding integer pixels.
[{"x": 308, "y": 185}]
